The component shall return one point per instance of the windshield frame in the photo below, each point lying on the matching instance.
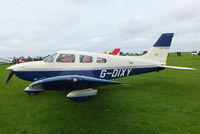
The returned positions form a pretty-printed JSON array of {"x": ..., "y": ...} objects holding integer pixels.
[{"x": 50, "y": 58}]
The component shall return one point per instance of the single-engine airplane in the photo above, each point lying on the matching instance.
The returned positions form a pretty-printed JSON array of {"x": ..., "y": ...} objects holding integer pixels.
[{"x": 80, "y": 72}]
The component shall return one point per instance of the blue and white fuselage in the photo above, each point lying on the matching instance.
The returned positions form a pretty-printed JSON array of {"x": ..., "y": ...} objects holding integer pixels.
[
  {"x": 75, "y": 70},
  {"x": 114, "y": 67}
]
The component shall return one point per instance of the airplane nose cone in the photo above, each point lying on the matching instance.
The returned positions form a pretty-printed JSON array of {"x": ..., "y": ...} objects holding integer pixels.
[{"x": 10, "y": 68}]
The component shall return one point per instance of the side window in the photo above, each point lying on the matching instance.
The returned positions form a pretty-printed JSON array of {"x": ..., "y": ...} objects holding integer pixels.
[
  {"x": 85, "y": 59},
  {"x": 66, "y": 58},
  {"x": 101, "y": 60}
]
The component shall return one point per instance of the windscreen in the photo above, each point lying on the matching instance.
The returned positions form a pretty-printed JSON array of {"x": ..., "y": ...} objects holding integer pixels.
[{"x": 50, "y": 58}]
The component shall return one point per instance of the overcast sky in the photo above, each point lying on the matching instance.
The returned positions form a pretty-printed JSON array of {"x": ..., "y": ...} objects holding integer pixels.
[{"x": 41, "y": 27}]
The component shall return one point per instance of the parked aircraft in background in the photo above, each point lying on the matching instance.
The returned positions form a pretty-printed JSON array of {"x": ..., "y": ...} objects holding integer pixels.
[
  {"x": 80, "y": 72},
  {"x": 116, "y": 51},
  {"x": 195, "y": 53},
  {"x": 6, "y": 60}
]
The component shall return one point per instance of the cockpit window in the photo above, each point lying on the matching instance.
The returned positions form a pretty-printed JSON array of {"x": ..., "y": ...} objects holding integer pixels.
[
  {"x": 85, "y": 59},
  {"x": 66, "y": 58},
  {"x": 101, "y": 60},
  {"x": 50, "y": 58}
]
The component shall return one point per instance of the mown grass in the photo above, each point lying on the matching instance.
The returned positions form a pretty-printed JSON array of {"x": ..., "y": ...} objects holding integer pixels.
[{"x": 167, "y": 102}]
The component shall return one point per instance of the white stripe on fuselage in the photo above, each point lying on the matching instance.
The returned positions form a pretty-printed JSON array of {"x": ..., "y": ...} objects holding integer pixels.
[
  {"x": 87, "y": 68},
  {"x": 113, "y": 62}
]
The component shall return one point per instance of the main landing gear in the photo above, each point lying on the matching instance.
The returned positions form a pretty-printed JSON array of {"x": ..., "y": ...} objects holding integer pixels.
[
  {"x": 82, "y": 95},
  {"x": 76, "y": 95}
]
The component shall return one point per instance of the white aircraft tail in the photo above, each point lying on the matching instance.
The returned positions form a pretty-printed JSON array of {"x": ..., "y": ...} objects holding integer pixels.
[
  {"x": 159, "y": 52},
  {"x": 160, "y": 49}
]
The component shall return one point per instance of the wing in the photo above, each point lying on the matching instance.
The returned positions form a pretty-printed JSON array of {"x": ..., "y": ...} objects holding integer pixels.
[
  {"x": 180, "y": 68},
  {"x": 73, "y": 82}
]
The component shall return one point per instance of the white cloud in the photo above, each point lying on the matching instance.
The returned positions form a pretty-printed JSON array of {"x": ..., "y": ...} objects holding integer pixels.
[
  {"x": 185, "y": 9},
  {"x": 137, "y": 39},
  {"x": 89, "y": 2},
  {"x": 97, "y": 39},
  {"x": 136, "y": 24},
  {"x": 4, "y": 48},
  {"x": 36, "y": 27}
]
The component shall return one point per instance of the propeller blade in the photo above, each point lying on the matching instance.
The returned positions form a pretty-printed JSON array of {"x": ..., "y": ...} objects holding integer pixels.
[{"x": 9, "y": 76}]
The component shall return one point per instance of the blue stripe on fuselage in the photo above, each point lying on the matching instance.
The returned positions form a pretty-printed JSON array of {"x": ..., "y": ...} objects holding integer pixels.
[{"x": 102, "y": 73}]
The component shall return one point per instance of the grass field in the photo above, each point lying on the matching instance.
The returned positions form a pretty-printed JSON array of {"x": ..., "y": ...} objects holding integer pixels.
[{"x": 167, "y": 102}]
